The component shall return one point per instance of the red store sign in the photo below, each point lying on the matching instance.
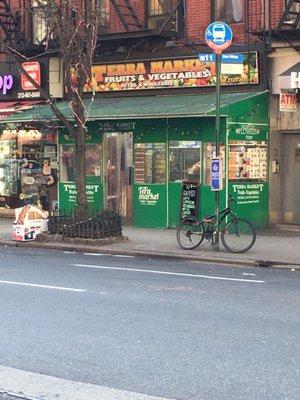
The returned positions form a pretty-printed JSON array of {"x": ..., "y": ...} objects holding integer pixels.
[
  {"x": 33, "y": 68},
  {"x": 288, "y": 102}
]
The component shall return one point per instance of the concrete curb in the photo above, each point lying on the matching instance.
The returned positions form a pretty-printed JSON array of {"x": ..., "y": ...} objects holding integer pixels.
[{"x": 150, "y": 254}]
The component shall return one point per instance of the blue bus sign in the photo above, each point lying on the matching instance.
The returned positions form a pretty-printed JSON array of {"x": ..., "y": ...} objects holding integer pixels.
[
  {"x": 207, "y": 57},
  {"x": 216, "y": 174},
  {"x": 227, "y": 58},
  {"x": 218, "y": 36}
]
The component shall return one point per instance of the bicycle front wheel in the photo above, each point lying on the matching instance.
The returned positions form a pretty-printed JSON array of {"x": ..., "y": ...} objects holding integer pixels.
[
  {"x": 190, "y": 233},
  {"x": 238, "y": 236}
]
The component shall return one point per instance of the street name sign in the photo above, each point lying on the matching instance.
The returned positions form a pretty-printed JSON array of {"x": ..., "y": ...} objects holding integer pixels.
[{"x": 228, "y": 58}]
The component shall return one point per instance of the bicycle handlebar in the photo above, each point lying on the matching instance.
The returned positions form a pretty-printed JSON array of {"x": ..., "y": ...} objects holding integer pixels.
[{"x": 231, "y": 199}]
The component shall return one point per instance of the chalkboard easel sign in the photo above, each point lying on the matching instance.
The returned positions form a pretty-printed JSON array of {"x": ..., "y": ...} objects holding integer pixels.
[{"x": 189, "y": 199}]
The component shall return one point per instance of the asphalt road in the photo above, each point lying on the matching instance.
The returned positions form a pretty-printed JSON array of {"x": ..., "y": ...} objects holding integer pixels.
[{"x": 162, "y": 328}]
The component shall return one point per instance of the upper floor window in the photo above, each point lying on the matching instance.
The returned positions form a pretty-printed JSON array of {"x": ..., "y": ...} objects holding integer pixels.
[
  {"x": 39, "y": 22},
  {"x": 160, "y": 10},
  {"x": 104, "y": 11},
  {"x": 230, "y": 11}
]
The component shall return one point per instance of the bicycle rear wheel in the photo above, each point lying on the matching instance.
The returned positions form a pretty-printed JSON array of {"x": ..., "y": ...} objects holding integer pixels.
[
  {"x": 238, "y": 236},
  {"x": 190, "y": 233}
]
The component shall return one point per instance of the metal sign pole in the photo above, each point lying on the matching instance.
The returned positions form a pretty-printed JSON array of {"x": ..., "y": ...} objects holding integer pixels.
[
  {"x": 218, "y": 94},
  {"x": 218, "y": 36}
]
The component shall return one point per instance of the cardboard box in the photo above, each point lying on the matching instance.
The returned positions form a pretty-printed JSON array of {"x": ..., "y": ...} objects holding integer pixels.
[{"x": 29, "y": 222}]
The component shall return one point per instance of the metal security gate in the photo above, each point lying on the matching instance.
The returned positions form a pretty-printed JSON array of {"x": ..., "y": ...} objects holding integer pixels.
[
  {"x": 291, "y": 178},
  {"x": 118, "y": 173}
]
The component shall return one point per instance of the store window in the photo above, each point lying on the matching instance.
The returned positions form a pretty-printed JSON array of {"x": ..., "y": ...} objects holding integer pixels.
[
  {"x": 150, "y": 163},
  {"x": 230, "y": 11},
  {"x": 8, "y": 164},
  {"x": 67, "y": 168},
  {"x": 67, "y": 161},
  {"x": 93, "y": 159},
  {"x": 185, "y": 161},
  {"x": 104, "y": 14},
  {"x": 209, "y": 152},
  {"x": 247, "y": 161},
  {"x": 28, "y": 167}
]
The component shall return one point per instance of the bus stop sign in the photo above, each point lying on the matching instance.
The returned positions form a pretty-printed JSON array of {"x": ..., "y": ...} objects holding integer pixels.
[{"x": 218, "y": 36}]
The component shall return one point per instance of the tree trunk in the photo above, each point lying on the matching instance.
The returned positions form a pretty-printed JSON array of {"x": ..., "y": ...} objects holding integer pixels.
[{"x": 81, "y": 210}]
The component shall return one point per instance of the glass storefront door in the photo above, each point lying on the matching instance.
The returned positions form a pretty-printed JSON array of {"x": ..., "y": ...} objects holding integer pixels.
[{"x": 118, "y": 163}]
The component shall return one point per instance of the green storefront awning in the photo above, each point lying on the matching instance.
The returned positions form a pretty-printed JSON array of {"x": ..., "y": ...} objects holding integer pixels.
[{"x": 159, "y": 106}]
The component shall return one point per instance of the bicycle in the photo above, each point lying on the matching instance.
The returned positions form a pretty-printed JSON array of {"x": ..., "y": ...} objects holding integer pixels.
[{"x": 238, "y": 235}]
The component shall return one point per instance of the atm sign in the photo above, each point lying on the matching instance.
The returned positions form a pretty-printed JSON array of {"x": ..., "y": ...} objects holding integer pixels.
[
  {"x": 33, "y": 68},
  {"x": 288, "y": 102}
]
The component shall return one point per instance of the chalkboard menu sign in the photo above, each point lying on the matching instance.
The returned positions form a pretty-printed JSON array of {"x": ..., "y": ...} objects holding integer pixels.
[{"x": 189, "y": 199}]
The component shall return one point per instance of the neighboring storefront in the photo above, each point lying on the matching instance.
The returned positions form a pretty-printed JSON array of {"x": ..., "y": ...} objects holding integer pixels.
[
  {"x": 28, "y": 151},
  {"x": 28, "y": 167},
  {"x": 285, "y": 137}
]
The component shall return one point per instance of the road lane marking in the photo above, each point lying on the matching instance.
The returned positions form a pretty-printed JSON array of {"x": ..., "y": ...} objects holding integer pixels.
[
  {"x": 37, "y": 386},
  {"x": 111, "y": 255},
  {"x": 42, "y": 286},
  {"x": 222, "y": 278},
  {"x": 122, "y": 256}
]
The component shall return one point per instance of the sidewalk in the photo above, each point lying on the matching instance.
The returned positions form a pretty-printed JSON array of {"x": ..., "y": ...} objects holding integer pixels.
[{"x": 271, "y": 248}]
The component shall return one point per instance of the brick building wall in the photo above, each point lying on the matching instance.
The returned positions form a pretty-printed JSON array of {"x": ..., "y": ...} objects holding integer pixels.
[{"x": 198, "y": 15}]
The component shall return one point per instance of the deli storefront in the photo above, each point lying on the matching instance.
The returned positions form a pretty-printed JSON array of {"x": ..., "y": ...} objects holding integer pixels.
[
  {"x": 140, "y": 149},
  {"x": 137, "y": 166}
]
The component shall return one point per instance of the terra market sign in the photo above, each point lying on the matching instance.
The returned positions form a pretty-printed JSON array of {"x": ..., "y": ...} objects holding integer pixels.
[
  {"x": 147, "y": 197},
  {"x": 245, "y": 131},
  {"x": 167, "y": 73}
]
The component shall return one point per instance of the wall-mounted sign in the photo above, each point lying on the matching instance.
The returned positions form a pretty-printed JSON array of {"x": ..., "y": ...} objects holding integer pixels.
[
  {"x": 246, "y": 131},
  {"x": 33, "y": 68},
  {"x": 14, "y": 85},
  {"x": 70, "y": 192},
  {"x": 288, "y": 102},
  {"x": 289, "y": 79},
  {"x": 6, "y": 83},
  {"x": 116, "y": 126},
  {"x": 168, "y": 73},
  {"x": 248, "y": 193},
  {"x": 295, "y": 80}
]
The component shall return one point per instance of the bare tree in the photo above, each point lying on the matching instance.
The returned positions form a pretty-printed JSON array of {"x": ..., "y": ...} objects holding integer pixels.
[{"x": 73, "y": 28}]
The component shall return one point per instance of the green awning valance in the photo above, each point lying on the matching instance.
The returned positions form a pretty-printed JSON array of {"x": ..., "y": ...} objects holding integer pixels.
[{"x": 159, "y": 106}]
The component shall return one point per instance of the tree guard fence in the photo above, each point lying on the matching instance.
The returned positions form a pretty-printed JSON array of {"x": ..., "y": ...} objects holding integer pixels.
[{"x": 102, "y": 225}]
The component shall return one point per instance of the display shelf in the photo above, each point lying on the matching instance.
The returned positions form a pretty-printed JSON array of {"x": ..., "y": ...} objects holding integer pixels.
[{"x": 247, "y": 161}]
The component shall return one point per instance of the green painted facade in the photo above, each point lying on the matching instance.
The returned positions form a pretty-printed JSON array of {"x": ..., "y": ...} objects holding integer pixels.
[{"x": 157, "y": 205}]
